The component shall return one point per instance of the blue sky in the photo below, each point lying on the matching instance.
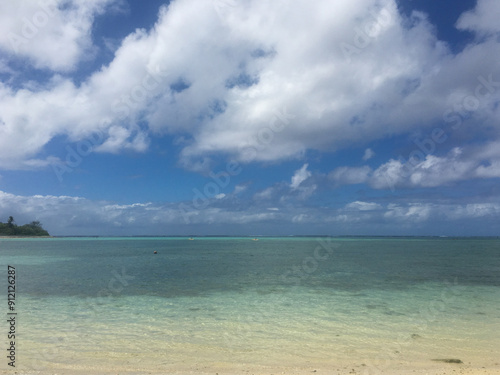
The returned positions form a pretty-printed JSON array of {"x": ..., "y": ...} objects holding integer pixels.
[{"x": 251, "y": 117}]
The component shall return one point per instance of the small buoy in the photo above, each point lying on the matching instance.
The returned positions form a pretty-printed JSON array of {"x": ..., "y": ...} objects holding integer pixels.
[{"x": 155, "y": 252}]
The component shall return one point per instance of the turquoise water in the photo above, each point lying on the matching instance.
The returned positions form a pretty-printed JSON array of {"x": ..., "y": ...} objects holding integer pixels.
[{"x": 227, "y": 304}]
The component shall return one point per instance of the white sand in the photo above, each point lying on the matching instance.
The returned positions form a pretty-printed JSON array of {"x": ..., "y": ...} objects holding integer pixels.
[{"x": 418, "y": 369}]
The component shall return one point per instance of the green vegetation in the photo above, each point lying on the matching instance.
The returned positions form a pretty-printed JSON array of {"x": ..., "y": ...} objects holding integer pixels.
[{"x": 32, "y": 229}]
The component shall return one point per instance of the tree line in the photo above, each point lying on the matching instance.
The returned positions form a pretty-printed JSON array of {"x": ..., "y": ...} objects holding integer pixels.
[{"x": 10, "y": 228}]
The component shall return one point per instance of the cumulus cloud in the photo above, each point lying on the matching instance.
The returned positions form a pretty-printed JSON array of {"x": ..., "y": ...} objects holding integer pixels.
[
  {"x": 483, "y": 19},
  {"x": 434, "y": 171},
  {"x": 461, "y": 163},
  {"x": 51, "y": 34},
  {"x": 272, "y": 79},
  {"x": 261, "y": 81},
  {"x": 415, "y": 212}
]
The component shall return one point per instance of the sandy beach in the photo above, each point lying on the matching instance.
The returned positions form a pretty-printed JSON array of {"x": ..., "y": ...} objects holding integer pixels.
[
  {"x": 230, "y": 367},
  {"x": 341, "y": 370}
]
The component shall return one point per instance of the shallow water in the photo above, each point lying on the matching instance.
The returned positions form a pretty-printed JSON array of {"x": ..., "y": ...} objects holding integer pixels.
[{"x": 228, "y": 303}]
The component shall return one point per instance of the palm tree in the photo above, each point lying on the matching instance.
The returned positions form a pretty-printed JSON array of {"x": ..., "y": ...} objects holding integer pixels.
[{"x": 35, "y": 224}]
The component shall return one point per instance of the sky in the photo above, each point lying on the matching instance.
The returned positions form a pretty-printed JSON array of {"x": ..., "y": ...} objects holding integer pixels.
[{"x": 251, "y": 117}]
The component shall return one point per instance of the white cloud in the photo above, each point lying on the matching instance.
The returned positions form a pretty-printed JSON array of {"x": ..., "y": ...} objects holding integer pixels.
[
  {"x": 369, "y": 153},
  {"x": 267, "y": 81},
  {"x": 301, "y": 218},
  {"x": 419, "y": 212},
  {"x": 363, "y": 206},
  {"x": 53, "y": 34},
  {"x": 434, "y": 171},
  {"x": 476, "y": 210},
  {"x": 300, "y": 176},
  {"x": 483, "y": 19},
  {"x": 265, "y": 194},
  {"x": 63, "y": 215},
  {"x": 490, "y": 171},
  {"x": 426, "y": 170},
  {"x": 350, "y": 175},
  {"x": 415, "y": 212},
  {"x": 240, "y": 189}
]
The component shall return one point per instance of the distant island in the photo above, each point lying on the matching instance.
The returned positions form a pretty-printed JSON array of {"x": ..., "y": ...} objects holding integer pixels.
[{"x": 10, "y": 228}]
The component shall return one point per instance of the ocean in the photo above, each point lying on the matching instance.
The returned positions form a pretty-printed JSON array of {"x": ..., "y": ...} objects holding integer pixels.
[{"x": 226, "y": 305}]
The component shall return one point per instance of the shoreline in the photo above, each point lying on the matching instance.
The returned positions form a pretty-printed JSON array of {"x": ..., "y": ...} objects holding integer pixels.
[{"x": 6, "y": 237}]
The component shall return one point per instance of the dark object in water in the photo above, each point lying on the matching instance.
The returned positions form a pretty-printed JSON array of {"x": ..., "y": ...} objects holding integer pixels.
[
  {"x": 448, "y": 360},
  {"x": 155, "y": 252}
]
